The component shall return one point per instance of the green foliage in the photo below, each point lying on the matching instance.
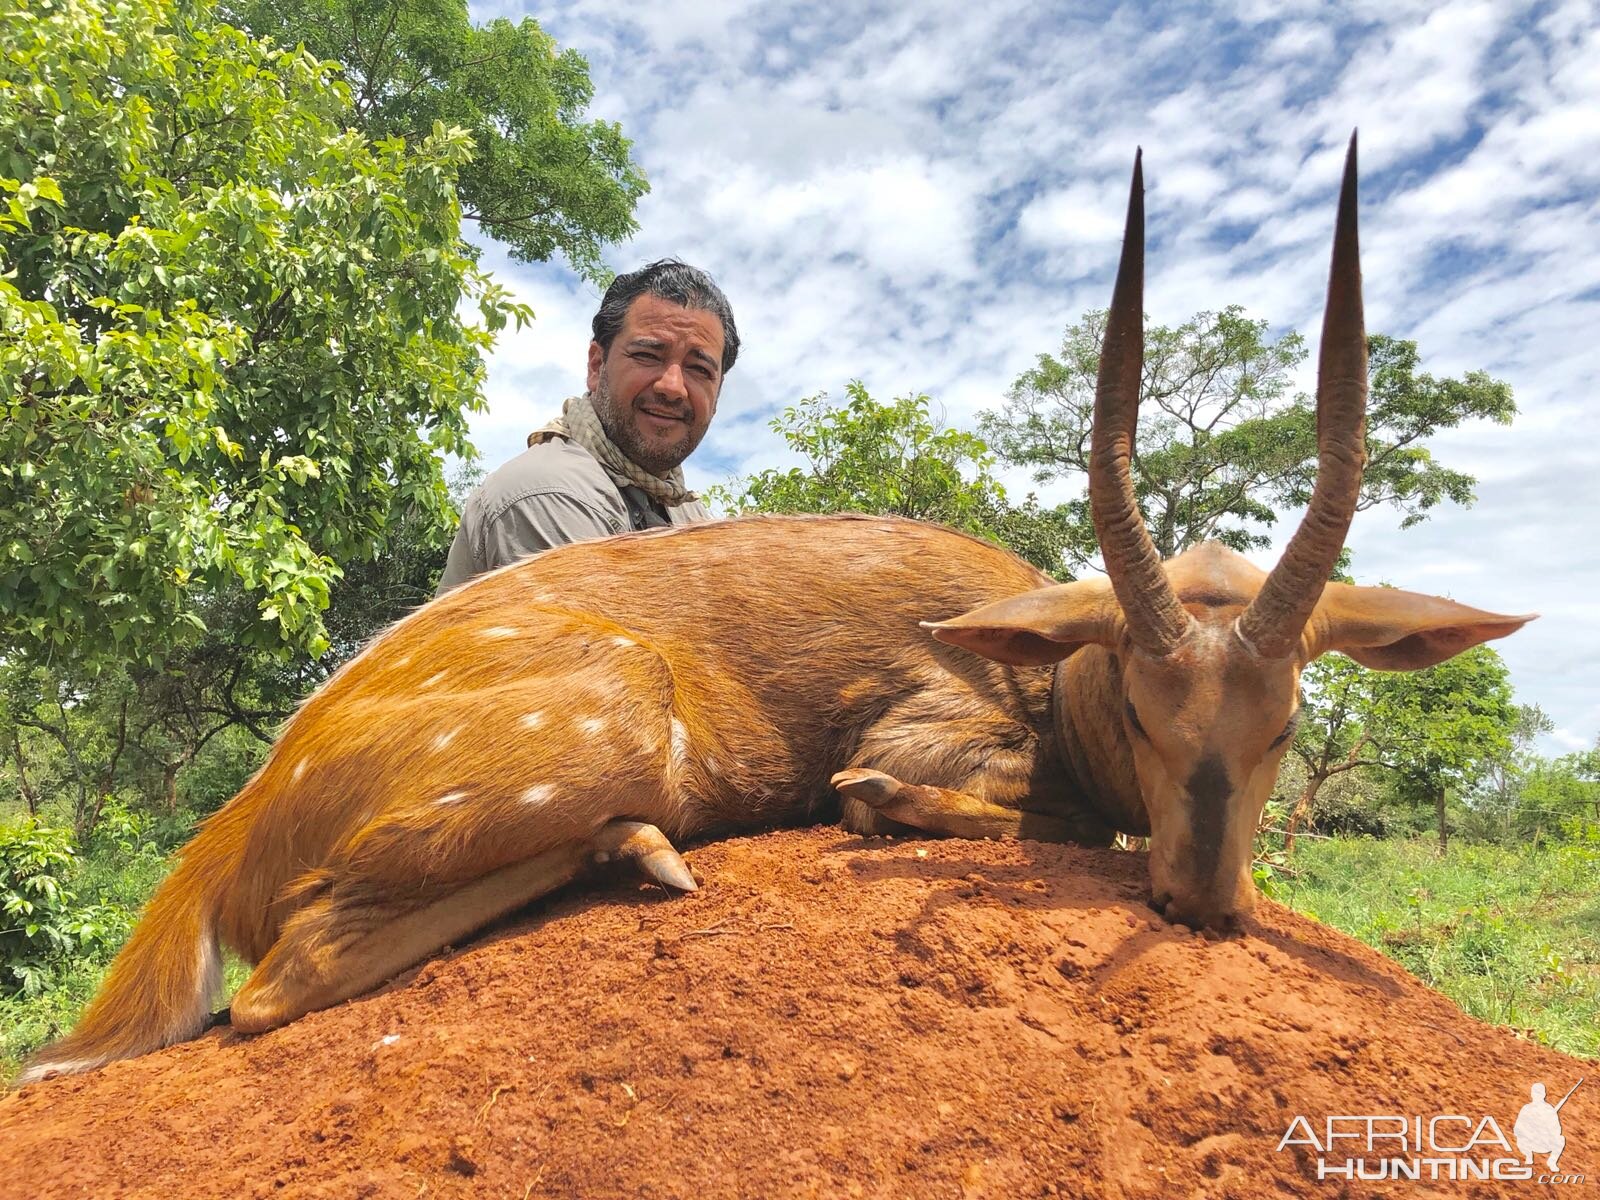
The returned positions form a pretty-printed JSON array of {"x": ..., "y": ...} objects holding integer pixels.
[
  {"x": 542, "y": 180},
  {"x": 230, "y": 345},
  {"x": 27, "y": 1022},
  {"x": 1428, "y": 743},
  {"x": 98, "y": 752},
  {"x": 1548, "y": 799},
  {"x": 870, "y": 457},
  {"x": 1444, "y": 726},
  {"x": 1404, "y": 407},
  {"x": 108, "y": 884},
  {"x": 1509, "y": 933},
  {"x": 42, "y": 926},
  {"x": 1335, "y": 704},
  {"x": 1223, "y": 447},
  {"x": 68, "y": 736}
]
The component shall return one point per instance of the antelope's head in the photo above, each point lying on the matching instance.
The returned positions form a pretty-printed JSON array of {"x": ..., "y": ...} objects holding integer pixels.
[{"x": 1206, "y": 650}]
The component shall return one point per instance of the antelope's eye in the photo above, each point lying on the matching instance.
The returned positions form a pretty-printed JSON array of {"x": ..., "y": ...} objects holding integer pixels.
[
  {"x": 1288, "y": 731},
  {"x": 1133, "y": 719}
]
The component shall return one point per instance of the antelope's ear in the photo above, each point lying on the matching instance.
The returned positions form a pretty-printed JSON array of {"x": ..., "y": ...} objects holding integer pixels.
[
  {"x": 1391, "y": 630},
  {"x": 1036, "y": 627}
]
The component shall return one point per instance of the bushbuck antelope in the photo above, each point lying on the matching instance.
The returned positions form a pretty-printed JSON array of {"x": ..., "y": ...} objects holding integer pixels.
[{"x": 607, "y": 699}]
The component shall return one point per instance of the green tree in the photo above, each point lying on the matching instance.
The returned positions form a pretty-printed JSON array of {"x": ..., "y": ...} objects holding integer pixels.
[
  {"x": 1443, "y": 727},
  {"x": 1223, "y": 446},
  {"x": 1524, "y": 796},
  {"x": 1332, "y": 738},
  {"x": 68, "y": 738},
  {"x": 231, "y": 347},
  {"x": 871, "y": 457},
  {"x": 1422, "y": 735},
  {"x": 542, "y": 180},
  {"x": 43, "y": 926},
  {"x": 182, "y": 735},
  {"x": 1495, "y": 800},
  {"x": 1559, "y": 796}
]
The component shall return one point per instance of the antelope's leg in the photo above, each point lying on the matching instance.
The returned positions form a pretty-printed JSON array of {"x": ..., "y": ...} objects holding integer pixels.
[
  {"x": 648, "y": 850},
  {"x": 358, "y": 934},
  {"x": 946, "y": 811},
  {"x": 974, "y": 771}
]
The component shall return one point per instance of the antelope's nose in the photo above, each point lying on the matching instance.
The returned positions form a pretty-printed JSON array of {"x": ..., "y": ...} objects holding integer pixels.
[
  {"x": 1219, "y": 918},
  {"x": 1215, "y": 905}
]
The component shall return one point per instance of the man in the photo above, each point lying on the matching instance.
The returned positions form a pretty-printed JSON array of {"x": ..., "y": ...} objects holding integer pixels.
[{"x": 664, "y": 338}]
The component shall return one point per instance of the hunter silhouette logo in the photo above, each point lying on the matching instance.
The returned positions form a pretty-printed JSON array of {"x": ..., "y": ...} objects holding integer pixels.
[
  {"x": 1446, "y": 1146},
  {"x": 1538, "y": 1127}
]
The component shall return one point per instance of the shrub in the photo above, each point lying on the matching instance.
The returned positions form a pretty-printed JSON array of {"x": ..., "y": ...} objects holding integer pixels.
[{"x": 44, "y": 926}]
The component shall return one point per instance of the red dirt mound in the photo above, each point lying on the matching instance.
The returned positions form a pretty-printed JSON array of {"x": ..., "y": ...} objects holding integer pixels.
[{"x": 830, "y": 1016}]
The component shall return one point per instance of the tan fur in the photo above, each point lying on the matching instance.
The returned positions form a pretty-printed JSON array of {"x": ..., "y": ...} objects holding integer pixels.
[
  {"x": 732, "y": 669},
  {"x": 606, "y": 697},
  {"x": 1209, "y": 712},
  {"x": 700, "y": 679}
]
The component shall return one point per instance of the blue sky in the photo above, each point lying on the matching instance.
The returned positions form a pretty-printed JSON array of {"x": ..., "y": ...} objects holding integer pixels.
[{"x": 924, "y": 195}]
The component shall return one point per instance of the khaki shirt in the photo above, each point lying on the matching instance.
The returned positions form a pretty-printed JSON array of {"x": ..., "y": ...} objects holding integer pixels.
[{"x": 550, "y": 495}]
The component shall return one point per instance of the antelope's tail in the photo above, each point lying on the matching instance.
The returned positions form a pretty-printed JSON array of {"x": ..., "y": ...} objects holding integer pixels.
[{"x": 161, "y": 984}]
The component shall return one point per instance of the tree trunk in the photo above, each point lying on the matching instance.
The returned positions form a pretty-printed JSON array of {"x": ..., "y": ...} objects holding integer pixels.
[
  {"x": 169, "y": 787},
  {"x": 29, "y": 796},
  {"x": 1302, "y": 809},
  {"x": 88, "y": 817},
  {"x": 1438, "y": 808}
]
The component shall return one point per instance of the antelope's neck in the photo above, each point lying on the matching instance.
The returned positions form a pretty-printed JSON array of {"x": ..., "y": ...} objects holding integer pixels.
[{"x": 1087, "y": 703}]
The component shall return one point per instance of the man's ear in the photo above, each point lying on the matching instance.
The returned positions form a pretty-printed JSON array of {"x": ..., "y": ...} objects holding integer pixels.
[
  {"x": 1037, "y": 627},
  {"x": 597, "y": 359},
  {"x": 1391, "y": 630}
]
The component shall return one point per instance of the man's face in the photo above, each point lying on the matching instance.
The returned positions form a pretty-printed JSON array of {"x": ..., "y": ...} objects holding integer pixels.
[{"x": 656, "y": 389}]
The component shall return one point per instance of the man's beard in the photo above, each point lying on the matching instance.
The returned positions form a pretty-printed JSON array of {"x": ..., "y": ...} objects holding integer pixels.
[{"x": 624, "y": 433}]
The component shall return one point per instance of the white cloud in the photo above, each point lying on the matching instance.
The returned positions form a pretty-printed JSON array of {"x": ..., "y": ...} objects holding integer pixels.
[
  {"x": 924, "y": 195},
  {"x": 1073, "y": 216}
]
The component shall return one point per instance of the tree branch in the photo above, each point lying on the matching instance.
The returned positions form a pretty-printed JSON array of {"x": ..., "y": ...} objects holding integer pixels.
[{"x": 29, "y": 796}]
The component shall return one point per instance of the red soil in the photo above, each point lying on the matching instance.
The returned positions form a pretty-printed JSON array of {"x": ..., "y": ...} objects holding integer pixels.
[{"x": 830, "y": 1016}]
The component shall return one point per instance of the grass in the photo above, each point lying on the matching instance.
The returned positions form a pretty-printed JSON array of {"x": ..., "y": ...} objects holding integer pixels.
[{"x": 1511, "y": 934}]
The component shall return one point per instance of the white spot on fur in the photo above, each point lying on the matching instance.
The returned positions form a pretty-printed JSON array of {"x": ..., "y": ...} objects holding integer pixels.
[
  {"x": 711, "y": 764},
  {"x": 444, "y": 739},
  {"x": 387, "y": 1039},
  {"x": 680, "y": 743},
  {"x": 539, "y": 794},
  {"x": 299, "y": 770},
  {"x": 501, "y": 631},
  {"x": 592, "y": 725},
  {"x": 432, "y": 679},
  {"x": 403, "y": 660},
  {"x": 623, "y": 641},
  {"x": 533, "y": 720},
  {"x": 450, "y": 798}
]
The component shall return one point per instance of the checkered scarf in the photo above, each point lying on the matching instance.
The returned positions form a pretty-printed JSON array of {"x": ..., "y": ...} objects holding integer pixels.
[{"x": 580, "y": 423}]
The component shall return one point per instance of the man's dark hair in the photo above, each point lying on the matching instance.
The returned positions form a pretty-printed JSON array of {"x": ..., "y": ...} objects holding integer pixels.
[{"x": 671, "y": 280}]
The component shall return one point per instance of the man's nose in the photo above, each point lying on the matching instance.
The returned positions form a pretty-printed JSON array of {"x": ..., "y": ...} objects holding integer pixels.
[{"x": 671, "y": 383}]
